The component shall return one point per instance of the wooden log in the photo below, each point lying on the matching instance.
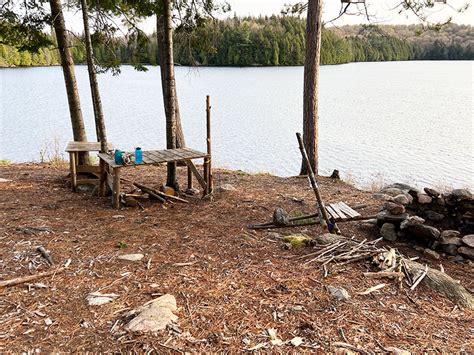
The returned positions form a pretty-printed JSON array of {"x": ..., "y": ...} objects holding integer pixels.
[
  {"x": 323, "y": 216},
  {"x": 198, "y": 176},
  {"x": 272, "y": 226},
  {"x": 102, "y": 178},
  {"x": 440, "y": 282},
  {"x": 150, "y": 191},
  {"x": 190, "y": 178},
  {"x": 20, "y": 280}
]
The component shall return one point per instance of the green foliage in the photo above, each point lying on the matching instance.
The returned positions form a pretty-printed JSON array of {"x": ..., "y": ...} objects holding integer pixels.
[{"x": 267, "y": 41}]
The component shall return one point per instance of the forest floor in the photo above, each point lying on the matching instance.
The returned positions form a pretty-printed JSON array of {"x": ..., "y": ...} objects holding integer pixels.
[{"x": 231, "y": 284}]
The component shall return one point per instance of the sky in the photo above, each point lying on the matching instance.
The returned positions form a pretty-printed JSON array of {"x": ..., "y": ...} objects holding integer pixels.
[{"x": 381, "y": 12}]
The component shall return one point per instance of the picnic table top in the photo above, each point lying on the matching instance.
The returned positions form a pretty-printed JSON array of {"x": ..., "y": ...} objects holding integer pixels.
[
  {"x": 85, "y": 147},
  {"x": 158, "y": 156}
]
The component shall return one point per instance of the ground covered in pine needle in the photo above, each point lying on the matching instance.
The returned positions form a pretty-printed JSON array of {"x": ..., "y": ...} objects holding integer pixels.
[{"x": 231, "y": 284}]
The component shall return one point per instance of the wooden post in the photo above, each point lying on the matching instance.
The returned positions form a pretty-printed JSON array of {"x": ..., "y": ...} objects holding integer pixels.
[
  {"x": 116, "y": 188},
  {"x": 102, "y": 178},
  {"x": 72, "y": 168},
  {"x": 207, "y": 161}
]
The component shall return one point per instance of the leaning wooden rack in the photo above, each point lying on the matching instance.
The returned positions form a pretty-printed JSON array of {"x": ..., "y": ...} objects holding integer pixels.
[{"x": 110, "y": 171}]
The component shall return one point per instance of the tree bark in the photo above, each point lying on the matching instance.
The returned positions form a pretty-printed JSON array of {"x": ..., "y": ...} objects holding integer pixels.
[
  {"x": 96, "y": 101},
  {"x": 160, "y": 23},
  {"x": 311, "y": 83},
  {"x": 168, "y": 82},
  {"x": 77, "y": 121}
]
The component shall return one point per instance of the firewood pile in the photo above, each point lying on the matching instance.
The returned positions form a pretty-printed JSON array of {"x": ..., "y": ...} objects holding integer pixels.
[
  {"x": 442, "y": 222},
  {"x": 389, "y": 264}
]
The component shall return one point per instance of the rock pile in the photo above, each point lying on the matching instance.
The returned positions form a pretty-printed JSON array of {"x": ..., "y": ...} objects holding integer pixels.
[{"x": 442, "y": 222}]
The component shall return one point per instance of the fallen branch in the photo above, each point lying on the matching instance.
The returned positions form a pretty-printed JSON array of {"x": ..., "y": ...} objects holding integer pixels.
[
  {"x": 150, "y": 191},
  {"x": 156, "y": 193},
  {"x": 382, "y": 274},
  {"x": 372, "y": 289},
  {"x": 20, "y": 280},
  {"x": 45, "y": 255},
  {"x": 272, "y": 226}
]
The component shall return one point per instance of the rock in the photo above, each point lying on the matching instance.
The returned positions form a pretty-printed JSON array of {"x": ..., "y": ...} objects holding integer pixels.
[
  {"x": 4, "y": 180},
  {"x": 339, "y": 293},
  {"x": 394, "y": 208},
  {"x": 467, "y": 252},
  {"x": 431, "y": 192},
  {"x": 388, "y": 232},
  {"x": 462, "y": 194},
  {"x": 401, "y": 186},
  {"x": 226, "y": 187},
  {"x": 98, "y": 299},
  {"x": 411, "y": 221},
  {"x": 280, "y": 217},
  {"x": 392, "y": 191},
  {"x": 296, "y": 341},
  {"x": 131, "y": 257},
  {"x": 446, "y": 239},
  {"x": 449, "y": 233},
  {"x": 424, "y": 198},
  {"x": 118, "y": 216},
  {"x": 456, "y": 259},
  {"x": 403, "y": 199},
  {"x": 382, "y": 197},
  {"x": 384, "y": 217},
  {"x": 327, "y": 238},
  {"x": 129, "y": 201},
  {"x": 48, "y": 321},
  {"x": 434, "y": 216},
  {"x": 335, "y": 175},
  {"x": 154, "y": 315},
  {"x": 424, "y": 232},
  {"x": 298, "y": 240},
  {"x": 431, "y": 253},
  {"x": 450, "y": 249},
  {"x": 468, "y": 240},
  {"x": 369, "y": 224},
  {"x": 192, "y": 191}
]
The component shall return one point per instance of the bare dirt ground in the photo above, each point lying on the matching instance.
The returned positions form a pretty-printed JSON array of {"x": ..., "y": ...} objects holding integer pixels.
[{"x": 237, "y": 284}]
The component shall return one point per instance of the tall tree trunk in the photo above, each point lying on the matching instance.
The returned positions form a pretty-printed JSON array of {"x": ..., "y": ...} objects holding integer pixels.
[
  {"x": 160, "y": 32},
  {"x": 169, "y": 88},
  {"x": 79, "y": 133},
  {"x": 311, "y": 83},
  {"x": 96, "y": 101}
]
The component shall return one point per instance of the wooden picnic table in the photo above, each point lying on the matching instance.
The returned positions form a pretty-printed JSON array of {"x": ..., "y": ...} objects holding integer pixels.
[
  {"x": 110, "y": 170},
  {"x": 74, "y": 148}
]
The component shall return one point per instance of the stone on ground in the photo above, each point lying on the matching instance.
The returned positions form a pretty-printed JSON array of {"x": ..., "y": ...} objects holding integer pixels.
[
  {"x": 154, "y": 315},
  {"x": 280, "y": 217},
  {"x": 431, "y": 253},
  {"x": 468, "y": 240},
  {"x": 338, "y": 293},
  {"x": 394, "y": 208},
  {"x": 424, "y": 199},
  {"x": 434, "y": 216},
  {"x": 401, "y": 199},
  {"x": 382, "y": 197},
  {"x": 431, "y": 192},
  {"x": 411, "y": 222},
  {"x": 449, "y": 233},
  {"x": 467, "y": 252},
  {"x": 226, "y": 187},
  {"x": 97, "y": 298},
  {"x": 388, "y": 232},
  {"x": 131, "y": 257}
]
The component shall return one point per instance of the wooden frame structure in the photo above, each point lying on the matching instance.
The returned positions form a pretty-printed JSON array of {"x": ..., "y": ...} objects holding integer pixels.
[
  {"x": 110, "y": 171},
  {"x": 74, "y": 148}
]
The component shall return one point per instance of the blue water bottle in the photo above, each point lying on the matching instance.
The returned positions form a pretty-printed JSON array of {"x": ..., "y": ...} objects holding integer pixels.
[
  {"x": 118, "y": 157},
  {"x": 138, "y": 155}
]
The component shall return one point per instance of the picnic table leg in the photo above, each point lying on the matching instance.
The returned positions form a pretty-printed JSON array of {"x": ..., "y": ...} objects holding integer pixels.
[
  {"x": 190, "y": 178},
  {"x": 116, "y": 188},
  {"x": 73, "y": 172},
  {"x": 102, "y": 178}
]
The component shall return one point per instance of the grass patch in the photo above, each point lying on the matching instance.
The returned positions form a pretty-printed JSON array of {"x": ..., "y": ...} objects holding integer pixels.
[{"x": 5, "y": 162}]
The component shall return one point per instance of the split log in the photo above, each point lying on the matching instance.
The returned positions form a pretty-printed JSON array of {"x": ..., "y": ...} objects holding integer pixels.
[
  {"x": 156, "y": 193},
  {"x": 442, "y": 283},
  {"x": 20, "y": 280}
]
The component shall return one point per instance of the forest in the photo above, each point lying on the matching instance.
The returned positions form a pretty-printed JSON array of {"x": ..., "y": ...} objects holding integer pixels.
[{"x": 272, "y": 41}]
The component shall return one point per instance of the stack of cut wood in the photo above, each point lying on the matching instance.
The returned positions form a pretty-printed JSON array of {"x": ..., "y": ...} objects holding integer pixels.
[{"x": 141, "y": 192}]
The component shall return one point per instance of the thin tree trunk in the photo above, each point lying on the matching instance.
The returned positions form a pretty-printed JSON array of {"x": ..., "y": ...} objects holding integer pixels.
[
  {"x": 180, "y": 141},
  {"x": 169, "y": 99},
  {"x": 77, "y": 121},
  {"x": 96, "y": 101},
  {"x": 311, "y": 83}
]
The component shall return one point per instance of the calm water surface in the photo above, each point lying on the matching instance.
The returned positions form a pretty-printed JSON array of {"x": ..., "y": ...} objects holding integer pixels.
[{"x": 394, "y": 121}]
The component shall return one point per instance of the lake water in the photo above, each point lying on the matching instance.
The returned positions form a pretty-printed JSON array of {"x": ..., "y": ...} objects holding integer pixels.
[{"x": 394, "y": 121}]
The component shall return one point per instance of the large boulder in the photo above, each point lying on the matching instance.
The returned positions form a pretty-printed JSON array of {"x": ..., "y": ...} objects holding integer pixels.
[
  {"x": 394, "y": 208},
  {"x": 411, "y": 221},
  {"x": 422, "y": 231}
]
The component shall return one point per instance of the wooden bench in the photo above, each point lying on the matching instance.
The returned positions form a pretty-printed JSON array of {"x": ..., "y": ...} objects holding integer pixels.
[
  {"x": 110, "y": 171},
  {"x": 74, "y": 148}
]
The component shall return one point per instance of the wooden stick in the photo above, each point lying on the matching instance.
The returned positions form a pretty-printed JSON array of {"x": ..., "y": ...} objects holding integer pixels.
[
  {"x": 161, "y": 194},
  {"x": 209, "y": 150},
  {"x": 20, "y": 280},
  {"x": 149, "y": 191},
  {"x": 381, "y": 274},
  {"x": 272, "y": 226},
  {"x": 323, "y": 216},
  {"x": 45, "y": 254},
  {"x": 418, "y": 280}
]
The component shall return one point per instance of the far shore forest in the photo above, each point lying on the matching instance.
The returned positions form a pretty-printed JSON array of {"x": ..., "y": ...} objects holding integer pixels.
[{"x": 271, "y": 41}]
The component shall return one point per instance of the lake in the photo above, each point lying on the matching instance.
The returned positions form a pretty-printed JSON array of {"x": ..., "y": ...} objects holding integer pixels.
[{"x": 379, "y": 122}]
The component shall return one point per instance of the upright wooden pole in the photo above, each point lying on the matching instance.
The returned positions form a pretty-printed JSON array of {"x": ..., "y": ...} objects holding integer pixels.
[{"x": 209, "y": 149}]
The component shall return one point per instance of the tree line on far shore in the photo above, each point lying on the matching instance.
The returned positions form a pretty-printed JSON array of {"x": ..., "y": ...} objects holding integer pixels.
[{"x": 272, "y": 41}]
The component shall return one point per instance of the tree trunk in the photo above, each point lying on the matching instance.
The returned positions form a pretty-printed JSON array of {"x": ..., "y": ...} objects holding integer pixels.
[
  {"x": 311, "y": 83},
  {"x": 169, "y": 87},
  {"x": 160, "y": 23},
  {"x": 79, "y": 133},
  {"x": 96, "y": 101}
]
